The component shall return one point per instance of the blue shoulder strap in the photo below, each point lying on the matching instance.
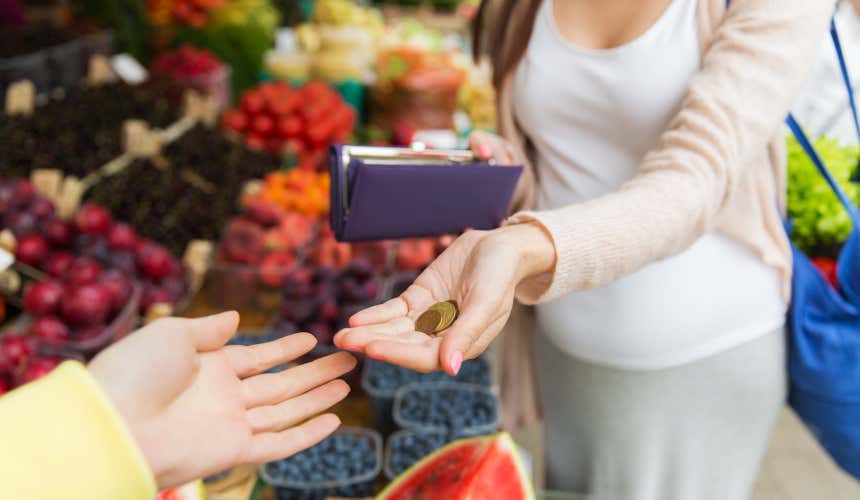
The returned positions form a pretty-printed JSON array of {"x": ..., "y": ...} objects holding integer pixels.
[{"x": 804, "y": 141}]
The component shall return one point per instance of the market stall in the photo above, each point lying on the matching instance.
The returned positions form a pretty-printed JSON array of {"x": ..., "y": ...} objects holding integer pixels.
[{"x": 171, "y": 158}]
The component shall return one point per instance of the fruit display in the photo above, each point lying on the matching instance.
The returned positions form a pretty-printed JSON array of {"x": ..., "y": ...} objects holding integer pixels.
[
  {"x": 298, "y": 190},
  {"x": 321, "y": 299},
  {"x": 193, "y": 197},
  {"x": 239, "y": 32},
  {"x": 452, "y": 406},
  {"x": 483, "y": 468},
  {"x": 343, "y": 465},
  {"x": 41, "y": 53},
  {"x": 301, "y": 122},
  {"x": 31, "y": 366},
  {"x": 820, "y": 223},
  {"x": 66, "y": 134},
  {"x": 194, "y": 12},
  {"x": 23, "y": 359},
  {"x": 381, "y": 381},
  {"x": 416, "y": 88},
  {"x": 406, "y": 448},
  {"x": 92, "y": 260},
  {"x": 257, "y": 251},
  {"x": 196, "y": 69},
  {"x": 477, "y": 98}
]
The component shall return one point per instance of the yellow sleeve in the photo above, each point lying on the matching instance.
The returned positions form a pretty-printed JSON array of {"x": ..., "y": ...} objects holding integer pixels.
[{"x": 60, "y": 437}]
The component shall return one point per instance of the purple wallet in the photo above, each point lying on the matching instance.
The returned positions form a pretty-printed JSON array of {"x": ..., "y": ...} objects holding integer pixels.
[{"x": 380, "y": 193}]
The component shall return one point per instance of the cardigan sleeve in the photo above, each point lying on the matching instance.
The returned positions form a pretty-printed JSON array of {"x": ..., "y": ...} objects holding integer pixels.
[
  {"x": 751, "y": 72},
  {"x": 62, "y": 438}
]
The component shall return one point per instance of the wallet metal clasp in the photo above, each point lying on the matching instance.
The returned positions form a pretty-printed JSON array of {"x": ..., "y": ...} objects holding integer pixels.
[{"x": 417, "y": 154}]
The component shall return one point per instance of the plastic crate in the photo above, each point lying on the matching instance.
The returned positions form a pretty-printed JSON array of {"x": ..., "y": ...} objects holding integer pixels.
[
  {"x": 458, "y": 392},
  {"x": 124, "y": 323},
  {"x": 64, "y": 63},
  {"x": 33, "y": 67},
  {"x": 474, "y": 371},
  {"x": 360, "y": 485}
]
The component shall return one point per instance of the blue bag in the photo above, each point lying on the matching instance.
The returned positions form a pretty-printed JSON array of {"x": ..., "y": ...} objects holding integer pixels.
[
  {"x": 824, "y": 340},
  {"x": 824, "y": 324}
]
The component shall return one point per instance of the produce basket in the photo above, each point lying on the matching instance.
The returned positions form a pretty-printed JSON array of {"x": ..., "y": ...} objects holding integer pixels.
[
  {"x": 33, "y": 67},
  {"x": 406, "y": 447},
  {"x": 98, "y": 43},
  {"x": 467, "y": 409},
  {"x": 364, "y": 460},
  {"x": 381, "y": 381},
  {"x": 124, "y": 323},
  {"x": 65, "y": 64}
]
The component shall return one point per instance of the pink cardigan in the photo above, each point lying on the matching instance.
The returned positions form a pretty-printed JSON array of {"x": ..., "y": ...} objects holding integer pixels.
[{"x": 721, "y": 164}]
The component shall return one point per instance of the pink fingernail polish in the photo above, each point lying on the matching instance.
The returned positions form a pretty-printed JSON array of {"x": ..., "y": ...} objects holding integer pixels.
[
  {"x": 485, "y": 151},
  {"x": 456, "y": 361}
]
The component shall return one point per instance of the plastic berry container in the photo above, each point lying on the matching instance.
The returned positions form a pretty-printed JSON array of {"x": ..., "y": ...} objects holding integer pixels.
[
  {"x": 381, "y": 381},
  {"x": 64, "y": 63},
  {"x": 95, "y": 43},
  {"x": 33, "y": 67},
  {"x": 413, "y": 403},
  {"x": 406, "y": 447},
  {"x": 238, "y": 286},
  {"x": 309, "y": 481},
  {"x": 215, "y": 83},
  {"x": 124, "y": 323}
]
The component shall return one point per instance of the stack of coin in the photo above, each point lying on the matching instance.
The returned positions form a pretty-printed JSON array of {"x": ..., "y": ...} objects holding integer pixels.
[{"x": 438, "y": 318}]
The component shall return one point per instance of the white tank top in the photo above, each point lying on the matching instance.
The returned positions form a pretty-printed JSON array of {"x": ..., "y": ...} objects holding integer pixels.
[{"x": 592, "y": 115}]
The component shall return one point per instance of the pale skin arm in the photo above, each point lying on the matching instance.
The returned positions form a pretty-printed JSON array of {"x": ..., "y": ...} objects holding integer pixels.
[
  {"x": 481, "y": 271},
  {"x": 175, "y": 382}
]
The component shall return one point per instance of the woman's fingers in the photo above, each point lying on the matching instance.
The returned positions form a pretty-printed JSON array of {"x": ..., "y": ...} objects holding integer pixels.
[
  {"x": 421, "y": 357},
  {"x": 381, "y": 313},
  {"x": 272, "y": 388},
  {"x": 270, "y": 446},
  {"x": 410, "y": 303},
  {"x": 357, "y": 338},
  {"x": 476, "y": 317},
  {"x": 251, "y": 360},
  {"x": 293, "y": 411},
  {"x": 486, "y": 146}
]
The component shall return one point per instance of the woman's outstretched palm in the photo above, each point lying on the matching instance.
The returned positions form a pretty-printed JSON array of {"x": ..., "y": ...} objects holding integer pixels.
[{"x": 480, "y": 277}]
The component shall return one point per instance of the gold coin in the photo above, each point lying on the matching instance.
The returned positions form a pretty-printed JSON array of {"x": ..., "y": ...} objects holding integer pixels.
[
  {"x": 428, "y": 321},
  {"x": 449, "y": 312}
]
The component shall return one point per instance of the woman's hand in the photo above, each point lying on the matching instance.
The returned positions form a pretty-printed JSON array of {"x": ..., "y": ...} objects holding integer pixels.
[
  {"x": 196, "y": 407},
  {"x": 491, "y": 146},
  {"x": 481, "y": 271}
]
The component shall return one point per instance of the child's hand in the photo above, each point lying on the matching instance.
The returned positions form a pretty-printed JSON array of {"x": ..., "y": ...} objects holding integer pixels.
[{"x": 196, "y": 407}]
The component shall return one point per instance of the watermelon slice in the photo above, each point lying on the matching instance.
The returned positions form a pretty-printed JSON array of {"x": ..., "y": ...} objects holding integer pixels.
[
  {"x": 190, "y": 491},
  {"x": 482, "y": 468}
]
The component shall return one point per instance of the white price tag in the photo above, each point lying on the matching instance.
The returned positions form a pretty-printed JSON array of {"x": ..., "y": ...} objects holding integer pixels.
[
  {"x": 129, "y": 69},
  {"x": 6, "y": 260}
]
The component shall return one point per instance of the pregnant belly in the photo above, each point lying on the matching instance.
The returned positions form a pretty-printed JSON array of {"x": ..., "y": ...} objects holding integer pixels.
[{"x": 711, "y": 297}]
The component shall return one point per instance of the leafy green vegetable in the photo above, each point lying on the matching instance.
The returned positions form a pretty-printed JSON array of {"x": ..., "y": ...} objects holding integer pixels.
[{"x": 818, "y": 216}]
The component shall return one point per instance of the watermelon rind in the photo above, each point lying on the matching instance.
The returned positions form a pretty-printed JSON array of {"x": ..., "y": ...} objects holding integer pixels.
[{"x": 502, "y": 438}]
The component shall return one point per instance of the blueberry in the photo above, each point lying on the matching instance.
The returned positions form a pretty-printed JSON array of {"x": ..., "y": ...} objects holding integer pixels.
[
  {"x": 387, "y": 378},
  {"x": 454, "y": 407},
  {"x": 339, "y": 458}
]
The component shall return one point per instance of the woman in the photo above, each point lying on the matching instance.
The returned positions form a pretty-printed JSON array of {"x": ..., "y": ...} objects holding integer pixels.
[{"x": 654, "y": 252}]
